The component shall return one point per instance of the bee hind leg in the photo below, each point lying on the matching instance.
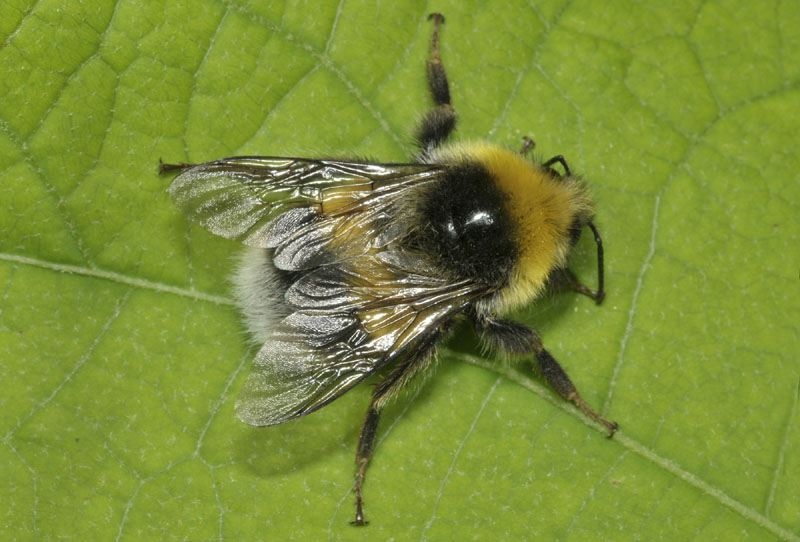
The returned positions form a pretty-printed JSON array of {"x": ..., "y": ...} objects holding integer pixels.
[
  {"x": 438, "y": 123},
  {"x": 387, "y": 388},
  {"x": 366, "y": 442},
  {"x": 437, "y": 78}
]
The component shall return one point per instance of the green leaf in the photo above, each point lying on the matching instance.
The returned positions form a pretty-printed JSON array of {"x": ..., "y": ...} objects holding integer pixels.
[{"x": 121, "y": 353}]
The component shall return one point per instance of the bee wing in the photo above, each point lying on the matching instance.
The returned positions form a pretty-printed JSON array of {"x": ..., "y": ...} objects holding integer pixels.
[
  {"x": 262, "y": 200},
  {"x": 359, "y": 301},
  {"x": 348, "y": 324}
]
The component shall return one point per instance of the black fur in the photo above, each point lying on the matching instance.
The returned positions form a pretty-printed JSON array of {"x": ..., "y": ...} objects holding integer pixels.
[
  {"x": 435, "y": 127},
  {"x": 437, "y": 82},
  {"x": 555, "y": 375},
  {"x": 575, "y": 230},
  {"x": 368, "y": 431},
  {"x": 508, "y": 336},
  {"x": 464, "y": 224}
]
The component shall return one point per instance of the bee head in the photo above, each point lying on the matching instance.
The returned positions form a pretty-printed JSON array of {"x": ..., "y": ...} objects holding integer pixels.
[{"x": 540, "y": 217}]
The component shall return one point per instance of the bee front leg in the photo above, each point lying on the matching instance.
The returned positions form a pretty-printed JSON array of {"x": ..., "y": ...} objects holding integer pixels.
[
  {"x": 564, "y": 279},
  {"x": 515, "y": 338},
  {"x": 438, "y": 123},
  {"x": 558, "y": 160}
]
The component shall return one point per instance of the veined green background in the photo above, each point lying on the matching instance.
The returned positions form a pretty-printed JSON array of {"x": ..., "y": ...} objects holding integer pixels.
[{"x": 121, "y": 355}]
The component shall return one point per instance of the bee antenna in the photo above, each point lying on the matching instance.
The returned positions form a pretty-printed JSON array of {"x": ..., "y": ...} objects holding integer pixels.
[{"x": 601, "y": 293}]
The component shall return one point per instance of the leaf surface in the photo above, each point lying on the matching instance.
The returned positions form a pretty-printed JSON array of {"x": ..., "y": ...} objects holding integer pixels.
[{"x": 121, "y": 353}]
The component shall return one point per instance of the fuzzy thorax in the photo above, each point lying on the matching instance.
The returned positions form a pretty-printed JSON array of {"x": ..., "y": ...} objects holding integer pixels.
[{"x": 543, "y": 208}]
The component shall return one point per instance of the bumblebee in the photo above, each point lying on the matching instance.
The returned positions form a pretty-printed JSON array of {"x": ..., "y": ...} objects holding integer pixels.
[{"x": 356, "y": 268}]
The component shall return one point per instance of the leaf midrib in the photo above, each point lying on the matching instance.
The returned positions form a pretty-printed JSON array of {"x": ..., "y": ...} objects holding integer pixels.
[{"x": 509, "y": 373}]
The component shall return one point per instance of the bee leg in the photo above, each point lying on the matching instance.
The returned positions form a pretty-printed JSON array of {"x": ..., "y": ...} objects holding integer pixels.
[
  {"x": 438, "y": 123},
  {"x": 387, "y": 388},
  {"x": 437, "y": 78},
  {"x": 558, "y": 160},
  {"x": 557, "y": 377},
  {"x": 163, "y": 168},
  {"x": 366, "y": 442},
  {"x": 527, "y": 145},
  {"x": 517, "y": 338},
  {"x": 563, "y": 279}
]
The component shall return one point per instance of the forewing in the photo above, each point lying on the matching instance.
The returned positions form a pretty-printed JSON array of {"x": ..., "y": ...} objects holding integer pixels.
[
  {"x": 349, "y": 323},
  {"x": 261, "y": 201},
  {"x": 360, "y": 302}
]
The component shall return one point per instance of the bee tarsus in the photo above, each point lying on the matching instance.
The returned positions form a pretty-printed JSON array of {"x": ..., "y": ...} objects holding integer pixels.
[{"x": 164, "y": 168}]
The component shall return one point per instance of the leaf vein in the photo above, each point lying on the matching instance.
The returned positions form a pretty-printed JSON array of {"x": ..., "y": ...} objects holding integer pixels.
[
  {"x": 638, "y": 448},
  {"x": 325, "y": 61},
  {"x": 81, "y": 362},
  {"x": 782, "y": 452},
  {"x": 590, "y": 494},
  {"x": 456, "y": 456},
  {"x": 116, "y": 277},
  {"x": 634, "y": 303}
]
